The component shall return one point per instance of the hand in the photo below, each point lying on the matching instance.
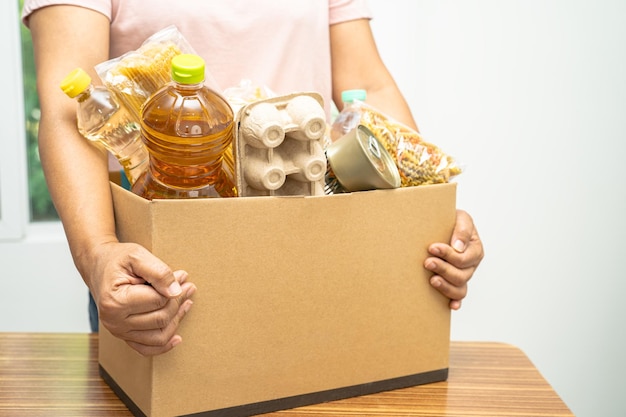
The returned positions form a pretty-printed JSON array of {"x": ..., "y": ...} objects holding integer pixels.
[
  {"x": 145, "y": 316},
  {"x": 454, "y": 264}
]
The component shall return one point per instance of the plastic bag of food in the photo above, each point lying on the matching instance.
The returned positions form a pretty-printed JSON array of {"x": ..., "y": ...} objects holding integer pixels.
[
  {"x": 418, "y": 161},
  {"x": 246, "y": 92},
  {"x": 134, "y": 76}
]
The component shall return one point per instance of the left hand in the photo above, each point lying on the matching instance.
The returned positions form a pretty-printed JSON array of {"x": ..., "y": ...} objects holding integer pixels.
[{"x": 453, "y": 265}]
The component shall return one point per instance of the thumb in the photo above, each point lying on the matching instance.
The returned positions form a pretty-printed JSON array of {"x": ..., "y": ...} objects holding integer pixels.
[
  {"x": 462, "y": 231},
  {"x": 155, "y": 272}
]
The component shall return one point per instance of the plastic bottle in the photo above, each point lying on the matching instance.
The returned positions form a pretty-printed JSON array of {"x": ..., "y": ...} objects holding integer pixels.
[
  {"x": 186, "y": 127},
  {"x": 101, "y": 118},
  {"x": 350, "y": 116}
]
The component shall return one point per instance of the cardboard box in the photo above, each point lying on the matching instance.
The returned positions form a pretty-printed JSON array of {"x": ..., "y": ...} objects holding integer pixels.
[{"x": 300, "y": 300}]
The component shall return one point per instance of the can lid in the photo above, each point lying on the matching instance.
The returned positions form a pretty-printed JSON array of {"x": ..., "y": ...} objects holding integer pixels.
[
  {"x": 76, "y": 82},
  {"x": 360, "y": 161},
  {"x": 348, "y": 96},
  {"x": 188, "y": 69},
  {"x": 383, "y": 163}
]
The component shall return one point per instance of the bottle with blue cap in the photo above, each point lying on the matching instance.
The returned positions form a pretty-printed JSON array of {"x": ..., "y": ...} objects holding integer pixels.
[
  {"x": 350, "y": 115},
  {"x": 186, "y": 127}
]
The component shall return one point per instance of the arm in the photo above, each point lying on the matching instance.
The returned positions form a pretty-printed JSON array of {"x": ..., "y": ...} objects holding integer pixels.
[
  {"x": 66, "y": 37},
  {"x": 356, "y": 63}
]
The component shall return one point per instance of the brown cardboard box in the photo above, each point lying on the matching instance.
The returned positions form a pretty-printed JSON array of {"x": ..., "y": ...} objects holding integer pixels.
[{"x": 300, "y": 300}]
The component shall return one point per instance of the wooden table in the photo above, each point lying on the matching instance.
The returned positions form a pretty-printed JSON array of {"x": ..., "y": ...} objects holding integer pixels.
[{"x": 57, "y": 375}]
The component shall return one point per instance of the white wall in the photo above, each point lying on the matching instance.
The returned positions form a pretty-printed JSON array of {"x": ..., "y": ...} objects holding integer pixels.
[
  {"x": 41, "y": 289},
  {"x": 531, "y": 96}
]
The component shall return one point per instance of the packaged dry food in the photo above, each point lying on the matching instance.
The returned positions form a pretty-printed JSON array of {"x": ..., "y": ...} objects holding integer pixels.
[
  {"x": 186, "y": 127},
  {"x": 134, "y": 76},
  {"x": 246, "y": 92},
  {"x": 419, "y": 162}
]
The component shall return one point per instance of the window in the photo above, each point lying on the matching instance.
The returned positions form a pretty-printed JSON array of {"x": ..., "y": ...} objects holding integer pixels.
[
  {"x": 24, "y": 196},
  {"x": 41, "y": 208},
  {"x": 12, "y": 142}
]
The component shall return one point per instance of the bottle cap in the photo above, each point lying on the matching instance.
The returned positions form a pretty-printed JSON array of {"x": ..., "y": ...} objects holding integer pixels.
[
  {"x": 75, "y": 83},
  {"x": 188, "y": 69},
  {"x": 349, "y": 96}
]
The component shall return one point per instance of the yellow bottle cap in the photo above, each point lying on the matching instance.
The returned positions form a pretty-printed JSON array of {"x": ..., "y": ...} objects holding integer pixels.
[
  {"x": 188, "y": 69},
  {"x": 75, "y": 83}
]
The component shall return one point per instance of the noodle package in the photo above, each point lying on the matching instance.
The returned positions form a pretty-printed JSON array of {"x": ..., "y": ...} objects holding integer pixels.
[
  {"x": 136, "y": 75},
  {"x": 419, "y": 162}
]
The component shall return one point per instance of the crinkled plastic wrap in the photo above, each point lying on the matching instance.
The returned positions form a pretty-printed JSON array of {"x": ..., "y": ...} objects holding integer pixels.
[
  {"x": 419, "y": 162},
  {"x": 134, "y": 76},
  {"x": 246, "y": 92}
]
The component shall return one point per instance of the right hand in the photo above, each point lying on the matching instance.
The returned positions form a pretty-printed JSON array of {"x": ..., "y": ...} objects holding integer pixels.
[{"x": 145, "y": 316}]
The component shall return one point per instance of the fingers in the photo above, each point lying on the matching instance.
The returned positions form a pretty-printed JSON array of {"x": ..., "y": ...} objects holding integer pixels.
[
  {"x": 156, "y": 273},
  {"x": 137, "y": 299},
  {"x": 463, "y": 230},
  {"x": 157, "y": 314},
  {"x": 149, "y": 321},
  {"x": 147, "y": 350},
  {"x": 450, "y": 281},
  {"x": 454, "y": 293},
  {"x": 469, "y": 259},
  {"x": 156, "y": 341},
  {"x": 457, "y": 277},
  {"x": 145, "y": 316},
  {"x": 453, "y": 265}
]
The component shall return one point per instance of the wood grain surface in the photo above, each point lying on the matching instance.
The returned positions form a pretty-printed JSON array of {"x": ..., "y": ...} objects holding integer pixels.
[{"x": 46, "y": 374}]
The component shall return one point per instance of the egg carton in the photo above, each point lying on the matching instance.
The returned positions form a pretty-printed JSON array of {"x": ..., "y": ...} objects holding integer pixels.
[{"x": 279, "y": 146}]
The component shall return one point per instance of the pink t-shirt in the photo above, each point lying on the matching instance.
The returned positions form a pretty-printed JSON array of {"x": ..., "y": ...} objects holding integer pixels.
[{"x": 281, "y": 44}]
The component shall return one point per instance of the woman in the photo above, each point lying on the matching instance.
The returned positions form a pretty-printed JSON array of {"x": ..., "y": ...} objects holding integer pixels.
[{"x": 288, "y": 46}]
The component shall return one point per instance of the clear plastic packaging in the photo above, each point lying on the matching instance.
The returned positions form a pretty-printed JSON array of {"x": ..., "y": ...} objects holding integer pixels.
[
  {"x": 136, "y": 75},
  {"x": 102, "y": 119},
  {"x": 186, "y": 127},
  {"x": 246, "y": 92},
  {"x": 419, "y": 162},
  {"x": 350, "y": 116}
]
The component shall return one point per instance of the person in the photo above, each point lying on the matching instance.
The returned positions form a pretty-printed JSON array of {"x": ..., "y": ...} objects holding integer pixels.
[{"x": 288, "y": 46}]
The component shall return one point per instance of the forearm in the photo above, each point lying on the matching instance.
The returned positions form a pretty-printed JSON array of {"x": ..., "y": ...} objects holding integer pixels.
[
  {"x": 77, "y": 175},
  {"x": 356, "y": 64},
  {"x": 389, "y": 100},
  {"x": 66, "y": 37}
]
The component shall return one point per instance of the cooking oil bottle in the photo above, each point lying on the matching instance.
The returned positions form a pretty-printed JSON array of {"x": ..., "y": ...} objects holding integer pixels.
[
  {"x": 186, "y": 127},
  {"x": 101, "y": 118}
]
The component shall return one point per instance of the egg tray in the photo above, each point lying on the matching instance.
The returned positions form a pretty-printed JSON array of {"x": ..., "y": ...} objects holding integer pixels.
[{"x": 279, "y": 146}]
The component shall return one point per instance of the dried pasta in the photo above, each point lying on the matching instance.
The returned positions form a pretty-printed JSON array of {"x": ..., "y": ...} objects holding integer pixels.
[
  {"x": 418, "y": 161},
  {"x": 136, "y": 75}
]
